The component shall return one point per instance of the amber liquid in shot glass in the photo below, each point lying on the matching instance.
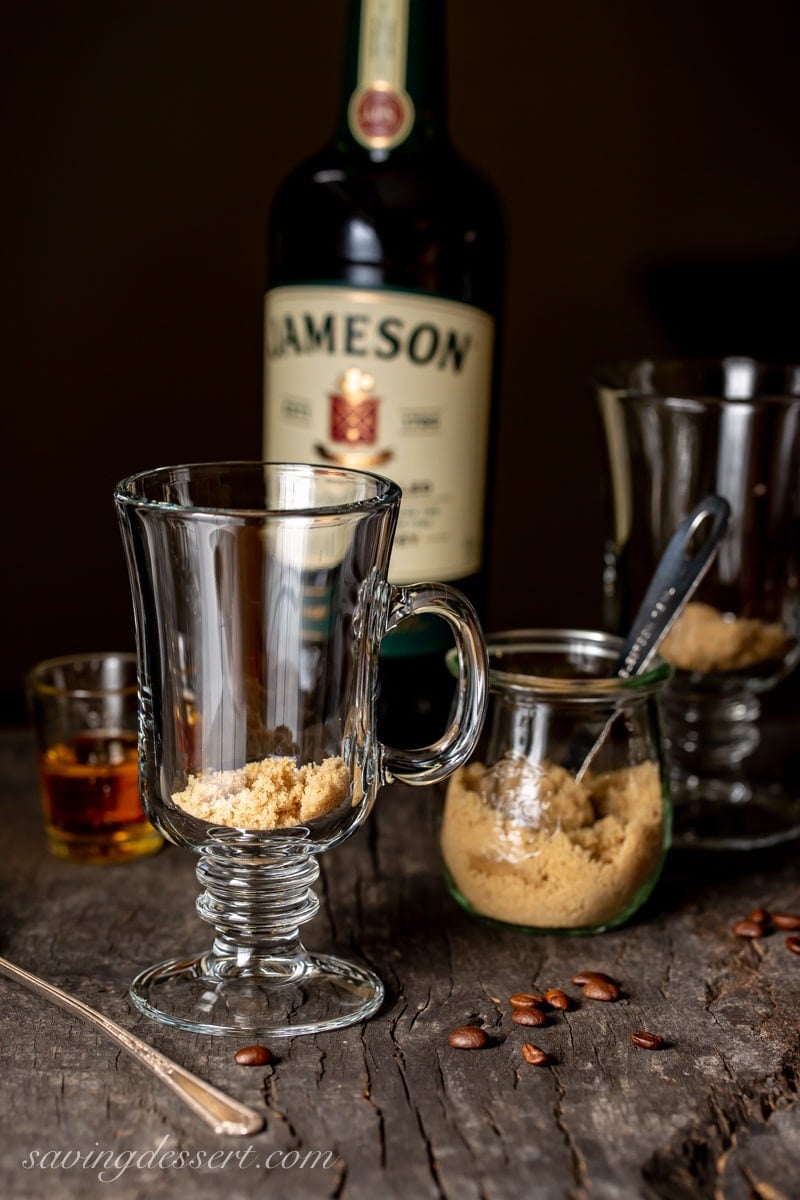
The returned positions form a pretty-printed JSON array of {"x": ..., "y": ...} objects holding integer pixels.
[{"x": 90, "y": 794}]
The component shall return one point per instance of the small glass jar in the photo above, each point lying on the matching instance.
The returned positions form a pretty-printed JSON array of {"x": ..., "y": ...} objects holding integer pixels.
[{"x": 533, "y": 835}]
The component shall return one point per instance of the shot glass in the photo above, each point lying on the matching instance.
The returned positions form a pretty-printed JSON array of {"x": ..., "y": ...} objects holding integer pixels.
[{"x": 84, "y": 709}]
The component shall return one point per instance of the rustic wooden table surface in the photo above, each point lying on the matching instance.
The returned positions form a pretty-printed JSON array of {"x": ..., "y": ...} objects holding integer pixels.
[{"x": 713, "y": 1114}]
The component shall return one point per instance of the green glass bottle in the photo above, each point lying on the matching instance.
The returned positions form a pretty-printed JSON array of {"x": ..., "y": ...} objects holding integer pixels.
[{"x": 385, "y": 284}]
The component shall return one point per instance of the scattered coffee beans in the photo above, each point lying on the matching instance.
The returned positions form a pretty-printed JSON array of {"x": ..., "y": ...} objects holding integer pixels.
[
  {"x": 759, "y": 914},
  {"x": 598, "y": 989},
  {"x": 528, "y": 1016},
  {"x": 786, "y": 921},
  {"x": 793, "y": 943},
  {"x": 533, "y": 1055},
  {"x": 525, "y": 1000},
  {"x": 253, "y": 1056},
  {"x": 647, "y": 1041},
  {"x": 748, "y": 928},
  {"x": 469, "y": 1037},
  {"x": 584, "y": 977},
  {"x": 557, "y": 999}
]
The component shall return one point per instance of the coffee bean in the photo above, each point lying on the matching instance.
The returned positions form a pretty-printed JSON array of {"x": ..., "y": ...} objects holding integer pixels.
[
  {"x": 759, "y": 914},
  {"x": 253, "y": 1056},
  {"x": 584, "y": 977},
  {"x": 468, "y": 1037},
  {"x": 748, "y": 928},
  {"x": 528, "y": 1016},
  {"x": 533, "y": 1055},
  {"x": 525, "y": 1000},
  {"x": 597, "y": 989},
  {"x": 785, "y": 920},
  {"x": 557, "y": 999},
  {"x": 647, "y": 1041},
  {"x": 793, "y": 944}
]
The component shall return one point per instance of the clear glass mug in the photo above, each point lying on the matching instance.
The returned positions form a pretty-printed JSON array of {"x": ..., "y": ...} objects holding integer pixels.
[
  {"x": 676, "y": 431},
  {"x": 536, "y": 834},
  {"x": 261, "y": 597}
]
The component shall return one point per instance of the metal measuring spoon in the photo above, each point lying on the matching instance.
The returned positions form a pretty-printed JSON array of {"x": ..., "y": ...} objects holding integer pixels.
[
  {"x": 221, "y": 1112},
  {"x": 682, "y": 566}
]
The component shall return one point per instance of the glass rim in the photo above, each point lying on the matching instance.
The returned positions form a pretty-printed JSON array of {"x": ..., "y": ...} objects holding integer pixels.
[
  {"x": 578, "y": 687},
  {"x": 387, "y": 491},
  {"x": 35, "y": 684},
  {"x": 617, "y": 377}
]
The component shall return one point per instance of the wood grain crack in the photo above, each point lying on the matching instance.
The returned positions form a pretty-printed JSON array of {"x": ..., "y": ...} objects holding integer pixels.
[
  {"x": 577, "y": 1162},
  {"x": 691, "y": 1166},
  {"x": 421, "y": 1010},
  {"x": 376, "y": 1108},
  {"x": 275, "y": 1110}
]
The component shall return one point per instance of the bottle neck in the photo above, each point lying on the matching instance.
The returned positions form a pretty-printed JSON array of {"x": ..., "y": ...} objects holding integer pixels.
[{"x": 394, "y": 88}]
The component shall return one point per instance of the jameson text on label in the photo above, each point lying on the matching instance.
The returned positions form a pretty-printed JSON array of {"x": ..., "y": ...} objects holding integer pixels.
[{"x": 393, "y": 382}]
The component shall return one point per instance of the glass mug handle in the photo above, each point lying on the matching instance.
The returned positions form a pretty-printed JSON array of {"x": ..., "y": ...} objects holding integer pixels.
[{"x": 429, "y": 764}]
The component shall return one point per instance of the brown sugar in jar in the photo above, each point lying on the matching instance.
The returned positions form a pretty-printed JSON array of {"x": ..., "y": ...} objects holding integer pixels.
[{"x": 523, "y": 841}]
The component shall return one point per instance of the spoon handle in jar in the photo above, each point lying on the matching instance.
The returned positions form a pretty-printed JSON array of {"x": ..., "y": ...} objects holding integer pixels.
[
  {"x": 689, "y": 553},
  {"x": 221, "y": 1112}
]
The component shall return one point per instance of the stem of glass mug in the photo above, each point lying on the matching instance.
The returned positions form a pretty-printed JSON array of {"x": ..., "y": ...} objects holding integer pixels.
[
  {"x": 721, "y": 730},
  {"x": 256, "y": 897}
]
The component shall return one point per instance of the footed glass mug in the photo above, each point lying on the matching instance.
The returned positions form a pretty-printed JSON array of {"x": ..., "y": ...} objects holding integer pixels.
[
  {"x": 261, "y": 598},
  {"x": 676, "y": 431}
]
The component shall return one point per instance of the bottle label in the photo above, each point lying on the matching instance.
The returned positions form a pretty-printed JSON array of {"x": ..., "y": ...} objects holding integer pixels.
[
  {"x": 381, "y": 112},
  {"x": 393, "y": 382}
]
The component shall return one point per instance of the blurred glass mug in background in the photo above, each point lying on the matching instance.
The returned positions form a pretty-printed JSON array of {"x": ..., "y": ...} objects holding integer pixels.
[
  {"x": 85, "y": 712},
  {"x": 676, "y": 431}
]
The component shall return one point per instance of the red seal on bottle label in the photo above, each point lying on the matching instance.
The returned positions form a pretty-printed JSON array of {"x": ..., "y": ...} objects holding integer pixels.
[
  {"x": 380, "y": 116},
  {"x": 354, "y": 412}
]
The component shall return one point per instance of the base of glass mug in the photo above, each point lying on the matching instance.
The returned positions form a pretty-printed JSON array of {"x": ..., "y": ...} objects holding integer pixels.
[
  {"x": 731, "y": 814},
  {"x": 315, "y": 994}
]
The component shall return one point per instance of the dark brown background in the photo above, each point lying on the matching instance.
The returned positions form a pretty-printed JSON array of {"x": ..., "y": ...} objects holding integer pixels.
[{"x": 647, "y": 157}]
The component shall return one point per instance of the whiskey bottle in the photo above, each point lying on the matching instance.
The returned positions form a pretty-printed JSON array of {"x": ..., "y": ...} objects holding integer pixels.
[{"x": 385, "y": 281}]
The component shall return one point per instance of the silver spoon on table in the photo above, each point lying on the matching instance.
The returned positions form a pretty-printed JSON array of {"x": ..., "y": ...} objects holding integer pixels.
[
  {"x": 222, "y": 1113},
  {"x": 689, "y": 553}
]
